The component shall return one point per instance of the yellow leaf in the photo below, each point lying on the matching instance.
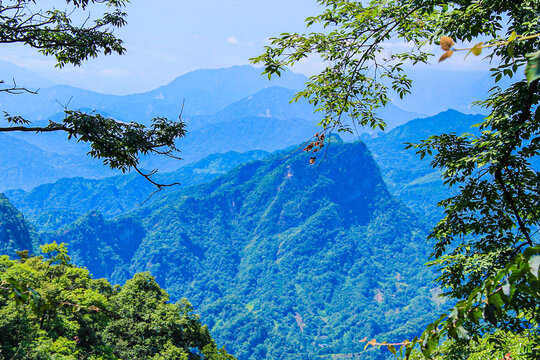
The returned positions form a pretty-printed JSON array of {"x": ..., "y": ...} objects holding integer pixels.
[
  {"x": 446, "y": 55},
  {"x": 446, "y": 43},
  {"x": 477, "y": 49}
]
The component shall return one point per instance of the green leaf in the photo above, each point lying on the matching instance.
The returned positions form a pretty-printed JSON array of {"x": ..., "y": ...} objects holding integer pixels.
[
  {"x": 510, "y": 50},
  {"x": 496, "y": 300},
  {"x": 489, "y": 314},
  {"x": 532, "y": 70},
  {"x": 534, "y": 264}
]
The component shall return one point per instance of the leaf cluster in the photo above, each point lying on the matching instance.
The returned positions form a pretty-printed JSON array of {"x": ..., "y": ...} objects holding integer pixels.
[{"x": 52, "y": 31}]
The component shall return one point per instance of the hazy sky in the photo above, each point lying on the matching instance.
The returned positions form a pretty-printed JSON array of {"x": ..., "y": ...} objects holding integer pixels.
[{"x": 167, "y": 38}]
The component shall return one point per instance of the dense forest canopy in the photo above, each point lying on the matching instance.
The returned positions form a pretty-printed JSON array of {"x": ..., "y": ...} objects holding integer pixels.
[{"x": 58, "y": 311}]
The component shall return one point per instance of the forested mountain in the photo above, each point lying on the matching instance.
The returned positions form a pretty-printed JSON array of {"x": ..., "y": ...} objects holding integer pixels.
[
  {"x": 282, "y": 259},
  {"x": 409, "y": 178},
  {"x": 15, "y": 232},
  {"x": 50, "y": 206}
]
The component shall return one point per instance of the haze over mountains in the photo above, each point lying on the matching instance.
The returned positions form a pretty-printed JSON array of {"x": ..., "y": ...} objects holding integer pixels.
[{"x": 233, "y": 109}]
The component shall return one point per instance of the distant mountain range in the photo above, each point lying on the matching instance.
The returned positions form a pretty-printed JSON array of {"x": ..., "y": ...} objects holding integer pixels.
[
  {"x": 204, "y": 92},
  {"x": 23, "y": 165},
  {"x": 233, "y": 109},
  {"x": 11, "y": 73},
  {"x": 410, "y": 179}
]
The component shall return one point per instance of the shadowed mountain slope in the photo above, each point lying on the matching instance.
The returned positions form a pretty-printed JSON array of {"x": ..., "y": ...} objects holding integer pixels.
[{"x": 15, "y": 233}]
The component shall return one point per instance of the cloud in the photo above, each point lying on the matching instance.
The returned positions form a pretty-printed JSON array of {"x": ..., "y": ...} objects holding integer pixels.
[
  {"x": 30, "y": 63},
  {"x": 232, "y": 40},
  {"x": 115, "y": 72}
]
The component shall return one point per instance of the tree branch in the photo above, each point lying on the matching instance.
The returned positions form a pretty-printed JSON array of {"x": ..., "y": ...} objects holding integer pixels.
[{"x": 33, "y": 129}]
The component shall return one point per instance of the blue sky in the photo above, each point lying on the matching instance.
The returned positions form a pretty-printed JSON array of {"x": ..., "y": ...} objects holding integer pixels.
[{"x": 167, "y": 38}]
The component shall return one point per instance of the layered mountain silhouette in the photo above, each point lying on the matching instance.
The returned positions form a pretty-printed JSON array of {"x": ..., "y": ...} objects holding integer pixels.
[
  {"x": 50, "y": 206},
  {"x": 409, "y": 178},
  {"x": 233, "y": 109},
  {"x": 24, "y": 165}
]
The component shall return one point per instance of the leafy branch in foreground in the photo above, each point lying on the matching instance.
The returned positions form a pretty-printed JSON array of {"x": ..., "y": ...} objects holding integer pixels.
[
  {"x": 54, "y": 32},
  {"x": 359, "y": 72},
  {"x": 119, "y": 144},
  {"x": 532, "y": 70}
]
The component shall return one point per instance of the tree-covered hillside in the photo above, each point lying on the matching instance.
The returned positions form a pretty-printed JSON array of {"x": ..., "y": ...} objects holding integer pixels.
[
  {"x": 409, "y": 178},
  {"x": 15, "y": 232},
  {"x": 51, "y": 206},
  {"x": 50, "y": 309},
  {"x": 282, "y": 259}
]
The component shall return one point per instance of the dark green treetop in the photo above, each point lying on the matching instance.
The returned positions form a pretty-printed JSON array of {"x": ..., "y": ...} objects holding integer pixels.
[{"x": 52, "y": 309}]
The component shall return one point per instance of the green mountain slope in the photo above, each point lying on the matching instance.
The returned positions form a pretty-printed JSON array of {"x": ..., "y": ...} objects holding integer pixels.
[
  {"x": 408, "y": 177},
  {"x": 15, "y": 233},
  {"x": 52, "y": 206},
  {"x": 104, "y": 247},
  {"x": 282, "y": 259}
]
